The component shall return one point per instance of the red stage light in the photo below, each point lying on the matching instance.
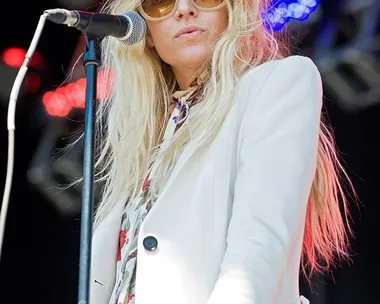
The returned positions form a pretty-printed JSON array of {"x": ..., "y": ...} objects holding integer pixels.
[
  {"x": 33, "y": 82},
  {"x": 56, "y": 104},
  {"x": 71, "y": 95},
  {"x": 15, "y": 56}
]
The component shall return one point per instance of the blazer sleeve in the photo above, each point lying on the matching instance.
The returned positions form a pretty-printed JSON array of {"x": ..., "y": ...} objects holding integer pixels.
[{"x": 276, "y": 166}]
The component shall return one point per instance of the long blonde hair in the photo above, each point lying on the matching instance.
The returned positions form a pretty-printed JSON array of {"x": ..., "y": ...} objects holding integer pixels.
[{"x": 129, "y": 124}]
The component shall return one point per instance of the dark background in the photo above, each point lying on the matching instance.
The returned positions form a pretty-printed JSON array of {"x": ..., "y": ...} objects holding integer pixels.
[{"x": 39, "y": 262}]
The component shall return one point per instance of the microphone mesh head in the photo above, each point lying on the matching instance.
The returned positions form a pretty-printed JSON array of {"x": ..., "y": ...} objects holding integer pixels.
[{"x": 138, "y": 30}]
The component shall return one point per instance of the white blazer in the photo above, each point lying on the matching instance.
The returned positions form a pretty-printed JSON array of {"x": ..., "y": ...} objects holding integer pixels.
[{"x": 229, "y": 221}]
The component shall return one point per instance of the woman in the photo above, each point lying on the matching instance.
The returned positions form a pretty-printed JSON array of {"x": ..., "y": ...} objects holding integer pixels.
[{"x": 220, "y": 179}]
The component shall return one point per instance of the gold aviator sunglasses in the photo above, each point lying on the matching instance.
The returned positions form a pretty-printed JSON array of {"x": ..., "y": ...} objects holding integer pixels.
[{"x": 158, "y": 10}]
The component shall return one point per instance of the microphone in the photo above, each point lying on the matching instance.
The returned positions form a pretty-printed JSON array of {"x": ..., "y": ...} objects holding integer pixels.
[{"x": 129, "y": 27}]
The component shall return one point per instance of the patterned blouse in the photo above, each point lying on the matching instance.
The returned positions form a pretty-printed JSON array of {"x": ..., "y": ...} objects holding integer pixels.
[{"x": 136, "y": 211}]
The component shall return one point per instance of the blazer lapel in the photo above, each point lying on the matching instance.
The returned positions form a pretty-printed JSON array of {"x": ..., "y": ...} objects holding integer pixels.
[
  {"x": 188, "y": 151},
  {"x": 103, "y": 256}
]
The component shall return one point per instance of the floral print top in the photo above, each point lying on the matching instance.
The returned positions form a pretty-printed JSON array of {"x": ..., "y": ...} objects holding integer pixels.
[
  {"x": 132, "y": 218},
  {"x": 137, "y": 209}
]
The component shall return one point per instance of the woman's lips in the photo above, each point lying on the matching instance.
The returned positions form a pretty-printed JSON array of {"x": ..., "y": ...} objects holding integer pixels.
[{"x": 190, "y": 35}]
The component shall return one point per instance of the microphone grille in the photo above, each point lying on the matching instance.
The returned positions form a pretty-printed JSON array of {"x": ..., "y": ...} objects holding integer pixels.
[{"x": 138, "y": 30}]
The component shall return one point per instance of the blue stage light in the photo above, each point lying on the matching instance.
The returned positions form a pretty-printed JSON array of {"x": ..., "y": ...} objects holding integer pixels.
[{"x": 282, "y": 11}]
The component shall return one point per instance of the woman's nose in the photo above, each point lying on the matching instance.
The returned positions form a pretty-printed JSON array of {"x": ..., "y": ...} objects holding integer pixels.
[{"x": 185, "y": 9}]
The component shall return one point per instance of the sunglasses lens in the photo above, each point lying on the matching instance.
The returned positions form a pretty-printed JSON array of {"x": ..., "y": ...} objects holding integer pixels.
[
  {"x": 208, "y": 3},
  {"x": 162, "y": 8},
  {"x": 158, "y": 8}
]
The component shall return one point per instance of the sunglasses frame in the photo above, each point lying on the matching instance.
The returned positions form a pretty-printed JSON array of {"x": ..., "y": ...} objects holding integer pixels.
[{"x": 147, "y": 17}]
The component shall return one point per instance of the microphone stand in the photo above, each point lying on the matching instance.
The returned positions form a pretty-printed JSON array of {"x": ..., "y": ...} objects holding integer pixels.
[
  {"x": 94, "y": 29},
  {"x": 91, "y": 63}
]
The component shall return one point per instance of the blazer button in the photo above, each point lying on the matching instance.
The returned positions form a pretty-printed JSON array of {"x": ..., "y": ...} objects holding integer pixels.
[{"x": 150, "y": 243}]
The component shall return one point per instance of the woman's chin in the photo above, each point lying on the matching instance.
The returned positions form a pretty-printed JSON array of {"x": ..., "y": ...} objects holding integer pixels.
[{"x": 193, "y": 57}]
